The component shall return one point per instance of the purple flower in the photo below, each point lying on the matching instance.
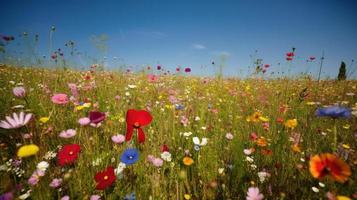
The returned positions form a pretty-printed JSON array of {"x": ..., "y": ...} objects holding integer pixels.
[
  {"x": 19, "y": 92},
  {"x": 96, "y": 117},
  {"x": 334, "y": 112},
  {"x": 7, "y": 196},
  {"x": 33, "y": 180},
  {"x": 16, "y": 121},
  {"x": 254, "y": 194},
  {"x": 56, "y": 182}
]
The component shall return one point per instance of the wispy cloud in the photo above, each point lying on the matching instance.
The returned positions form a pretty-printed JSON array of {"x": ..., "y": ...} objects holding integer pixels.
[
  {"x": 198, "y": 46},
  {"x": 152, "y": 34}
]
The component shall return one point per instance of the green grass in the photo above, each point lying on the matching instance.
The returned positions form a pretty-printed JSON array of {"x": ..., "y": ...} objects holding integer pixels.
[{"x": 234, "y": 100}]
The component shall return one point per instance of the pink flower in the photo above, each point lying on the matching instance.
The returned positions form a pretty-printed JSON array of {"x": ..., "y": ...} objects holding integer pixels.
[
  {"x": 84, "y": 121},
  {"x": 229, "y": 136},
  {"x": 16, "y": 121},
  {"x": 184, "y": 120},
  {"x": 19, "y": 92},
  {"x": 68, "y": 133},
  {"x": 152, "y": 78},
  {"x": 118, "y": 139},
  {"x": 74, "y": 89},
  {"x": 187, "y": 70},
  {"x": 150, "y": 158},
  {"x": 60, "y": 99},
  {"x": 95, "y": 197},
  {"x": 96, "y": 117},
  {"x": 65, "y": 197},
  {"x": 173, "y": 99},
  {"x": 33, "y": 180},
  {"x": 254, "y": 194},
  {"x": 157, "y": 162},
  {"x": 56, "y": 183}
]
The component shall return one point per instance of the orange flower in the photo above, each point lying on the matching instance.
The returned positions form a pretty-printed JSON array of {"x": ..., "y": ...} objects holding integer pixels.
[
  {"x": 296, "y": 148},
  {"x": 262, "y": 142},
  {"x": 187, "y": 161},
  {"x": 330, "y": 165}
]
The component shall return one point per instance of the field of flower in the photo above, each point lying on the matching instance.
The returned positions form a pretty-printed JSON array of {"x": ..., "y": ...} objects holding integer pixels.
[{"x": 110, "y": 135}]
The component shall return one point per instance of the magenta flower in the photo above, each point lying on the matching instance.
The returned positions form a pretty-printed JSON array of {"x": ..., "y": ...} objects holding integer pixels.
[
  {"x": 118, "y": 139},
  {"x": 68, "y": 133},
  {"x": 187, "y": 69},
  {"x": 19, "y": 92},
  {"x": 16, "y": 121},
  {"x": 84, "y": 121},
  {"x": 254, "y": 194},
  {"x": 96, "y": 117},
  {"x": 60, "y": 99}
]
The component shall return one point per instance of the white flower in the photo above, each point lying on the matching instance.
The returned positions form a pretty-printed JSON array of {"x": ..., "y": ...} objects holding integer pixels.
[
  {"x": 26, "y": 195},
  {"x": 262, "y": 176},
  {"x": 321, "y": 184},
  {"x": 197, "y": 118},
  {"x": 247, "y": 151},
  {"x": 315, "y": 189},
  {"x": 120, "y": 168},
  {"x": 249, "y": 159},
  {"x": 16, "y": 121},
  {"x": 220, "y": 170},
  {"x": 127, "y": 93},
  {"x": 43, "y": 165},
  {"x": 186, "y": 134},
  {"x": 132, "y": 86},
  {"x": 50, "y": 155},
  {"x": 196, "y": 141},
  {"x": 166, "y": 156}
]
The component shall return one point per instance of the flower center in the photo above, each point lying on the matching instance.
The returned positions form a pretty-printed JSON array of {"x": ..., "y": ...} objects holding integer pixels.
[
  {"x": 106, "y": 177},
  {"x": 136, "y": 125},
  {"x": 131, "y": 157},
  {"x": 71, "y": 153}
]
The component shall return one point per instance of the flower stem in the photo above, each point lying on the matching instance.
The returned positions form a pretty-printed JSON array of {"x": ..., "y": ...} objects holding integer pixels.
[{"x": 335, "y": 135}]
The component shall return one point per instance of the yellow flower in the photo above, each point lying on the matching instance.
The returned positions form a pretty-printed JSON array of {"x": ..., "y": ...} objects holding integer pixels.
[
  {"x": 44, "y": 119},
  {"x": 296, "y": 148},
  {"x": 79, "y": 108},
  {"x": 291, "y": 123},
  {"x": 347, "y": 126},
  {"x": 27, "y": 150},
  {"x": 343, "y": 198},
  {"x": 187, "y": 196},
  {"x": 310, "y": 103},
  {"x": 256, "y": 117},
  {"x": 187, "y": 161},
  {"x": 346, "y": 146}
]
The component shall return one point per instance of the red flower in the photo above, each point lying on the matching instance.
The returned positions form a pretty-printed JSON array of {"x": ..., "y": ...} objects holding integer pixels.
[
  {"x": 253, "y": 136},
  {"x": 105, "y": 178},
  {"x": 266, "y": 65},
  {"x": 187, "y": 69},
  {"x": 164, "y": 148},
  {"x": 289, "y": 58},
  {"x": 290, "y": 54},
  {"x": 68, "y": 154},
  {"x": 136, "y": 119}
]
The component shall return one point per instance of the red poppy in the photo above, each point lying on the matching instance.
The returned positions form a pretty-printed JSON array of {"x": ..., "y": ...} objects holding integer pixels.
[
  {"x": 330, "y": 165},
  {"x": 136, "y": 119},
  {"x": 68, "y": 154},
  {"x": 290, "y": 54},
  {"x": 187, "y": 69},
  {"x": 253, "y": 136},
  {"x": 105, "y": 178},
  {"x": 164, "y": 148}
]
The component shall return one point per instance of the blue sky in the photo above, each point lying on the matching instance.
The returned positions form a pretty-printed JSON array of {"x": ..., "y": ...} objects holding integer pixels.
[{"x": 193, "y": 33}]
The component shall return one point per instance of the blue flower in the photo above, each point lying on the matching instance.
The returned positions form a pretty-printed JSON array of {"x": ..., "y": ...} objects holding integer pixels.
[
  {"x": 130, "y": 196},
  {"x": 179, "y": 107},
  {"x": 334, "y": 112},
  {"x": 130, "y": 156}
]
